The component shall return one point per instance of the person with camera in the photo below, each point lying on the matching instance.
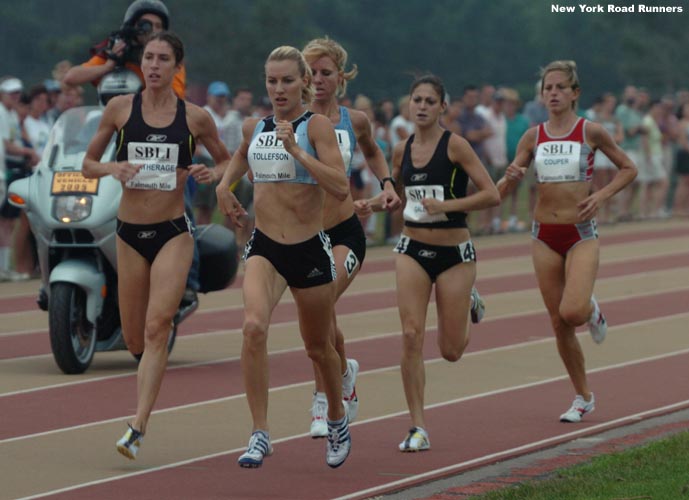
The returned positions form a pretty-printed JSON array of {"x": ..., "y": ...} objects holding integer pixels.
[
  {"x": 122, "y": 51},
  {"x": 123, "y": 48}
]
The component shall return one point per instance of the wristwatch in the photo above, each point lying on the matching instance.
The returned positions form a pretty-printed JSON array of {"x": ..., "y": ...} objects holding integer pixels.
[{"x": 384, "y": 179}]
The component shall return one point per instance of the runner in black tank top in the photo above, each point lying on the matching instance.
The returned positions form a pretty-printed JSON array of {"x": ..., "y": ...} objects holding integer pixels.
[
  {"x": 435, "y": 248},
  {"x": 154, "y": 248},
  {"x": 177, "y": 133},
  {"x": 440, "y": 173}
]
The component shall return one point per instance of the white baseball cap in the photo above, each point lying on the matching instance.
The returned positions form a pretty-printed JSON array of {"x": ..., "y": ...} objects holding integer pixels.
[{"x": 11, "y": 85}]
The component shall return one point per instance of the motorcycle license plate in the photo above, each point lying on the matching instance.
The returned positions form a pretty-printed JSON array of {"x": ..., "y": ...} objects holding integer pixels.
[{"x": 73, "y": 182}]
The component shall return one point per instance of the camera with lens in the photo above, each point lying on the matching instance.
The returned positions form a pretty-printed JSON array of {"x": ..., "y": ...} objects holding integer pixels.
[{"x": 130, "y": 35}]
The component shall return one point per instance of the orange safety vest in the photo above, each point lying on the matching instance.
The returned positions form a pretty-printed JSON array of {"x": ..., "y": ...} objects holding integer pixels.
[{"x": 178, "y": 83}]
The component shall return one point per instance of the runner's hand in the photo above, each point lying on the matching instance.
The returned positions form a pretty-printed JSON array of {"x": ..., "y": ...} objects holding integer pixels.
[
  {"x": 201, "y": 173},
  {"x": 124, "y": 171},
  {"x": 229, "y": 205},
  {"x": 515, "y": 173},
  {"x": 588, "y": 208},
  {"x": 432, "y": 206},
  {"x": 285, "y": 133},
  {"x": 391, "y": 201},
  {"x": 362, "y": 208}
]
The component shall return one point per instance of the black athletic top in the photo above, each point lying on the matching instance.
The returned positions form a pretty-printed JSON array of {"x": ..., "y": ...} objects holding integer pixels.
[
  {"x": 440, "y": 179},
  {"x": 138, "y": 141}
]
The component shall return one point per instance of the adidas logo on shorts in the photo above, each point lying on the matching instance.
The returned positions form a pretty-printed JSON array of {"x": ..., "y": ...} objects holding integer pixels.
[{"x": 314, "y": 273}]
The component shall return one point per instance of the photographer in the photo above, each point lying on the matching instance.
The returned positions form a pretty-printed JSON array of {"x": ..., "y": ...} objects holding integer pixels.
[{"x": 122, "y": 49}]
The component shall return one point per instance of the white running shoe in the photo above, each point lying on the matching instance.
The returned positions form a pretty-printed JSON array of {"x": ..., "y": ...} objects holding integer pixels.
[
  {"x": 259, "y": 448},
  {"x": 598, "y": 327},
  {"x": 478, "y": 307},
  {"x": 349, "y": 389},
  {"x": 416, "y": 440},
  {"x": 319, "y": 416},
  {"x": 129, "y": 444},
  {"x": 580, "y": 407},
  {"x": 339, "y": 441}
]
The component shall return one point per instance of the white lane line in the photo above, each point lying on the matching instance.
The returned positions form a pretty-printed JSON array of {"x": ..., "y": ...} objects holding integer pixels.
[
  {"x": 299, "y": 348},
  {"x": 23, "y": 332},
  {"x": 515, "y": 451},
  {"x": 626, "y": 277},
  {"x": 491, "y": 457},
  {"x": 287, "y": 298},
  {"x": 377, "y": 370}
]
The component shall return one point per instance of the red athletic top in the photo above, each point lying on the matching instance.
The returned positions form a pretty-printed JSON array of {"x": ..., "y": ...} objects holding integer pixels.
[{"x": 566, "y": 158}]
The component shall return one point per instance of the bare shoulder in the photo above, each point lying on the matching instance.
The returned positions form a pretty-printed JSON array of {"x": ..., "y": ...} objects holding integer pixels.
[
  {"x": 399, "y": 147},
  {"x": 458, "y": 148},
  {"x": 398, "y": 150},
  {"x": 120, "y": 101},
  {"x": 529, "y": 136},
  {"x": 320, "y": 124},
  {"x": 458, "y": 142},
  {"x": 196, "y": 114},
  {"x": 360, "y": 121},
  {"x": 593, "y": 129},
  {"x": 118, "y": 109},
  {"x": 249, "y": 125},
  {"x": 318, "y": 120}
]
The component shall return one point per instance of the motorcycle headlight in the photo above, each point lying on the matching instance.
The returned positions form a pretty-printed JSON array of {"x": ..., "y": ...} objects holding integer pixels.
[{"x": 72, "y": 208}]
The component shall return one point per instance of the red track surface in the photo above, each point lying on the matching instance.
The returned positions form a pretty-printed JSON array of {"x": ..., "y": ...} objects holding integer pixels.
[{"x": 466, "y": 432}]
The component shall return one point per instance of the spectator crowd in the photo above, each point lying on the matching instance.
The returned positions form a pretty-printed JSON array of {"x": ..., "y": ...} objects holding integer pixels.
[{"x": 652, "y": 130}]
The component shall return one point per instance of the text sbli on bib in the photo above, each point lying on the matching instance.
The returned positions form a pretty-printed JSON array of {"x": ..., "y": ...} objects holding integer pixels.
[
  {"x": 268, "y": 159},
  {"x": 414, "y": 210},
  {"x": 158, "y": 165},
  {"x": 558, "y": 161},
  {"x": 345, "y": 145}
]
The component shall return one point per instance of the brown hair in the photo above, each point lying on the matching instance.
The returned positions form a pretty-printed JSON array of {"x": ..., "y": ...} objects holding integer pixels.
[
  {"x": 172, "y": 40},
  {"x": 432, "y": 80},
  {"x": 569, "y": 68}
]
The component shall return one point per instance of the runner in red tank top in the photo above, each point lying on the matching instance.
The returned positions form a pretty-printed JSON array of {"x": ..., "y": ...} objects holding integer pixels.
[{"x": 565, "y": 240}]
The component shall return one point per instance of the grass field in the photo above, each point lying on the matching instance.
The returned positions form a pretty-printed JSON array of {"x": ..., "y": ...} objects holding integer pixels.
[{"x": 658, "y": 471}]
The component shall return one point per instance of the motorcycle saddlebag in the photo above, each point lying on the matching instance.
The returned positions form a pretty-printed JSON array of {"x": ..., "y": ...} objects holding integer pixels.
[{"x": 218, "y": 257}]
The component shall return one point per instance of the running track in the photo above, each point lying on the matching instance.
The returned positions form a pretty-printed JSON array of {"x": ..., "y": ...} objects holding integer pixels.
[{"x": 501, "y": 400}]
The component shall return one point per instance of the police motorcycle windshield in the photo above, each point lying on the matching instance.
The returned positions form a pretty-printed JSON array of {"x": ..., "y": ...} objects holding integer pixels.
[{"x": 70, "y": 137}]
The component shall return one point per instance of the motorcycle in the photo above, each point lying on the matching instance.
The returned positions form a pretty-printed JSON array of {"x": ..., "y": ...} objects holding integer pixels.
[{"x": 73, "y": 220}]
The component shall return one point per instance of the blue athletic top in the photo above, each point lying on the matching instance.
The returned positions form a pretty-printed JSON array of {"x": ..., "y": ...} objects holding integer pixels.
[
  {"x": 440, "y": 179},
  {"x": 346, "y": 139},
  {"x": 268, "y": 159}
]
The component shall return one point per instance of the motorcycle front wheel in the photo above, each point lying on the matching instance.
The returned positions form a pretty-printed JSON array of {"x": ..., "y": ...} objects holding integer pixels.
[{"x": 72, "y": 335}]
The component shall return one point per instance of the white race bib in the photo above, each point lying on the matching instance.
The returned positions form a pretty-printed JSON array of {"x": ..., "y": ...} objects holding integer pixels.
[
  {"x": 268, "y": 159},
  {"x": 414, "y": 210},
  {"x": 558, "y": 161},
  {"x": 158, "y": 165},
  {"x": 345, "y": 146}
]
